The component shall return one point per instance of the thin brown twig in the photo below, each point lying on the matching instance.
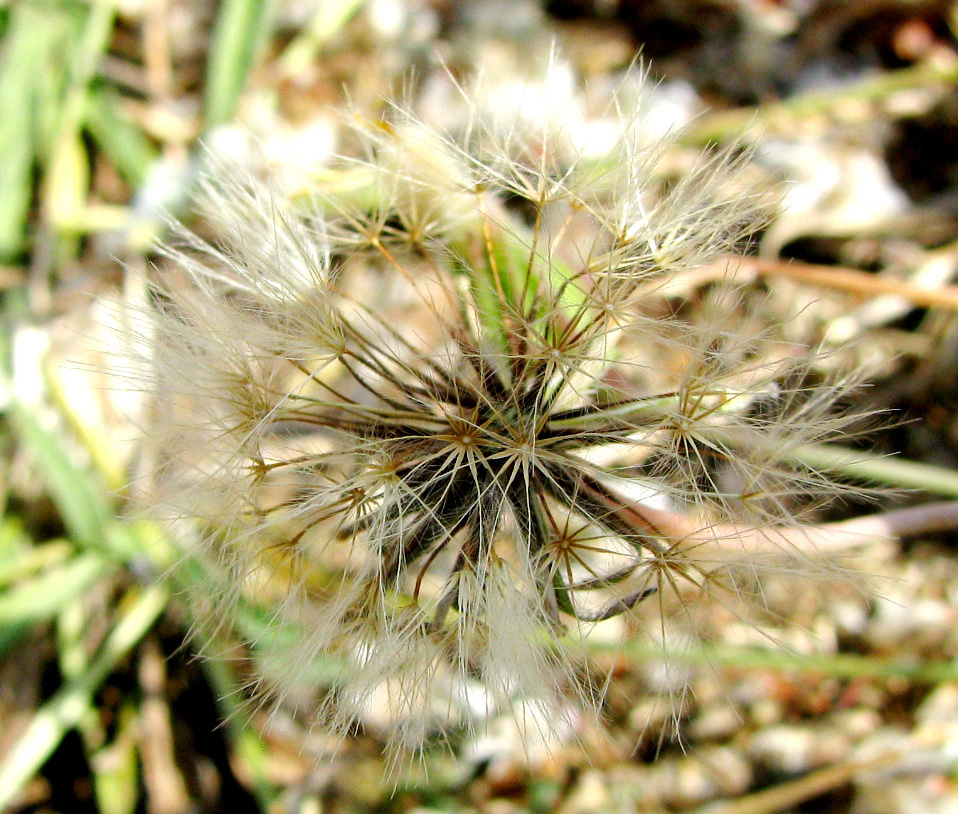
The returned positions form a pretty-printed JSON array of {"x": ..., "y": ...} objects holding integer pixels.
[
  {"x": 795, "y": 792},
  {"x": 722, "y": 125},
  {"x": 826, "y": 538},
  {"x": 850, "y": 280},
  {"x": 840, "y": 278}
]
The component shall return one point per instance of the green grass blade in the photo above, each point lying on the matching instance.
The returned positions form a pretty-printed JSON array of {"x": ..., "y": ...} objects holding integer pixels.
[
  {"x": 328, "y": 20},
  {"x": 62, "y": 712},
  {"x": 125, "y": 144},
  {"x": 249, "y": 747},
  {"x": 40, "y": 598},
  {"x": 116, "y": 769},
  {"x": 83, "y": 509},
  {"x": 838, "y": 665},
  {"x": 241, "y": 27},
  {"x": 91, "y": 44},
  {"x": 19, "y": 558},
  {"x": 880, "y": 469},
  {"x": 26, "y": 45}
]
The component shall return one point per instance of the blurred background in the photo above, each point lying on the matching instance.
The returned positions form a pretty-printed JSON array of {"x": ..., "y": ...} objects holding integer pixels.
[{"x": 841, "y": 698}]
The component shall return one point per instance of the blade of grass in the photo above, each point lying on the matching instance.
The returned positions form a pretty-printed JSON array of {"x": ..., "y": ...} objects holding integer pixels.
[
  {"x": 84, "y": 511},
  {"x": 880, "y": 469},
  {"x": 115, "y": 767},
  {"x": 90, "y": 47},
  {"x": 250, "y": 748},
  {"x": 27, "y": 44},
  {"x": 125, "y": 144},
  {"x": 723, "y": 125},
  {"x": 241, "y": 27},
  {"x": 66, "y": 183},
  {"x": 838, "y": 665},
  {"x": 102, "y": 453},
  {"x": 19, "y": 558},
  {"x": 327, "y": 21},
  {"x": 71, "y": 628},
  {"x": 40, "y": 598},
  {"x": 61, "y": 713}
]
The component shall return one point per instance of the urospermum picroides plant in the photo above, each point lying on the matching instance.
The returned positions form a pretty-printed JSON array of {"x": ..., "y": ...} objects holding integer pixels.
[{"x": 422, "y": 411}]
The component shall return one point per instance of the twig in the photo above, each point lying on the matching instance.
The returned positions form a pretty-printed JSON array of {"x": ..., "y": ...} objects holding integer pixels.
[
  {"x": 850, "y": 280},
  {"x": 728, "y": 124},
  {"x": 788, "y": 795},
  {"x": 726, "y": 539}
]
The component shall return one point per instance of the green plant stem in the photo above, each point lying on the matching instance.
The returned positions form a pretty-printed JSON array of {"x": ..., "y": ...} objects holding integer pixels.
[
  {"x": 41, "y": 598},
  {"x": 62, "y": 712},
  {"x": 241, "y": 27},
  {"x": 838, "y": 665},
  {"x": 881, "y": 469},
  {"x": 249, "y": 747},
  {"x": 27, "y": 562},
  {"x": 729, "y": 124},
  {"x": 92, "y": 44},
  {"x": 328, "y": 19}
]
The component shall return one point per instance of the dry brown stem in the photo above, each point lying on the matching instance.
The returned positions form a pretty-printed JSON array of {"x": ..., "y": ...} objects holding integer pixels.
[{"x": 727, "y": 539}]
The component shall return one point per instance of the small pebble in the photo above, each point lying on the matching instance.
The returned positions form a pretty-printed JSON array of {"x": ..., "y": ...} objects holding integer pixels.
[
  {"x": 717, "y": 722},
  {"x": 797, "y": 749}
]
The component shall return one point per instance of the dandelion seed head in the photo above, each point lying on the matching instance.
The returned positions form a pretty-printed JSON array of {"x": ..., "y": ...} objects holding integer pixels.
[{"x": 424, "y": 413}]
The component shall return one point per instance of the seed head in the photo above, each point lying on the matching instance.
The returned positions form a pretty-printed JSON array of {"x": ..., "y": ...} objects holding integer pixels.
[{"x": 429, "y": 412}]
